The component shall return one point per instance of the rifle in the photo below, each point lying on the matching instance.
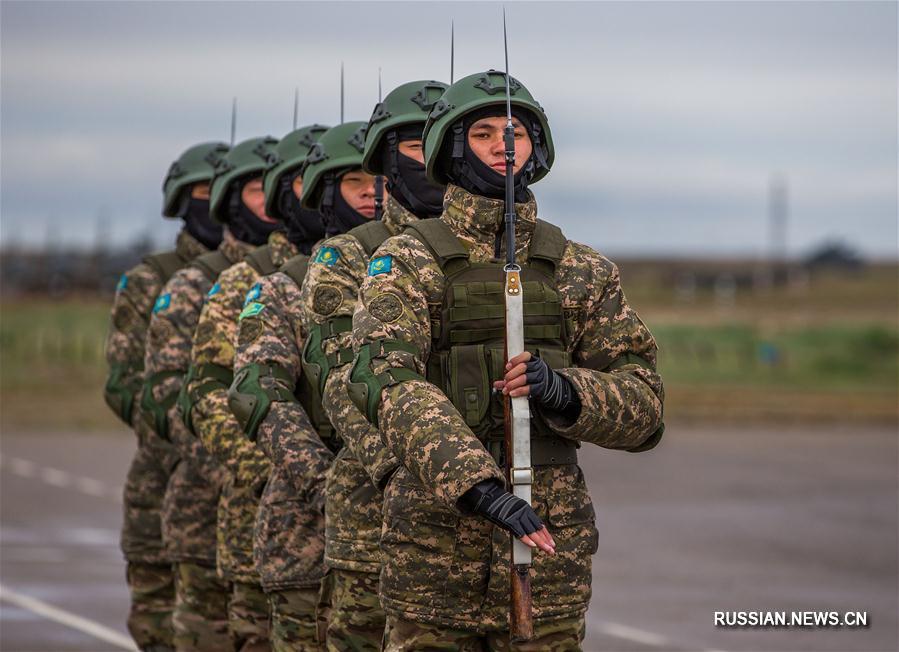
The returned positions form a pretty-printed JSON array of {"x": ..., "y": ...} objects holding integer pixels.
[
  {"x": 516, "y": 411},
  {"x": 379, "y": 180}
]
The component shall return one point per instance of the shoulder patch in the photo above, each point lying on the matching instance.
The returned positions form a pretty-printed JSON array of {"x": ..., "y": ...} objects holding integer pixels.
[
  {"x": 387, "y": 307},
  {"x": 215, "y": 289},
  {"x": 162, "y": 302},
  {"x": 251, "y": 309},
  {"x": 253, "y": 294},
  {"x": 327, "y": 256},
  {"x": 380, "y": 265},
  {"x": 122, "y": 284}
]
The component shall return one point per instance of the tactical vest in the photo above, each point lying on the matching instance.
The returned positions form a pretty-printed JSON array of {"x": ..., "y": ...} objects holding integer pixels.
[
  {"x": 468, "y": 332},
  {"x": 260, "y": 259},
  {"x": 316, "y": 365}
]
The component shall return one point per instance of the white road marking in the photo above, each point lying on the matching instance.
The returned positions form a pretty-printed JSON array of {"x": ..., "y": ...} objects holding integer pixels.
[
  {"x": 67, "y": 618},
  {"x": 55, "y": 477},
  {"x": 63, "y": 479},
  {"x": 22, "y": 467}
]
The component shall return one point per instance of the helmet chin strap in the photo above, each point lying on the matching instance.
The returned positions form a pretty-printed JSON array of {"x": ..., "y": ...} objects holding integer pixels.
[{"x": 244, "y": 224}]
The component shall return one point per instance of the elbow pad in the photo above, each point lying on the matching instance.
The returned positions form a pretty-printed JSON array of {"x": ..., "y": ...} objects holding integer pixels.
[
  {"x": 120, "y": 395},
  {"x": 316, "y": 363},
  {"x": 366, "y": 386},
  {"x": 154, "y": 412},
  {"x": 250, "y": 401},
  {"x": 211, "y": 377}
]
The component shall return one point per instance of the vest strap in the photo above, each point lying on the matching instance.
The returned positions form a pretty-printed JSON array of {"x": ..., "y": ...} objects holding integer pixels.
[
  {"x": 212, "y": 264},
  {"x": 370, "y": 235},
  {"x": 165, "y": 264},
  {"x": 260, "y": 259},
  {"x": 296, "y": 268}
]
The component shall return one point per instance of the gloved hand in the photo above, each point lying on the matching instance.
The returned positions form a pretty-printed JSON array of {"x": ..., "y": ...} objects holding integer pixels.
[
  {"x": 489, "y": 499},
  {"x": 529, "y": 375}
]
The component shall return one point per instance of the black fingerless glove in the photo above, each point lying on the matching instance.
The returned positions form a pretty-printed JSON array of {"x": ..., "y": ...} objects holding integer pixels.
[
  {"x": 489, "y": 499},
  {"x": 550, "y": 388}
]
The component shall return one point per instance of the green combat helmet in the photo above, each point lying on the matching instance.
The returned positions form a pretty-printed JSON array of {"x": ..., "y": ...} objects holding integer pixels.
[
  {"x": 339, "y": 148},
  {"x": 195, "y": 165},
  {"x": 476, "y": 92},
  {"x": 248, "y": 158},
  {"x": 406, "y": 104},
  {"x": 290, "y": 154}
]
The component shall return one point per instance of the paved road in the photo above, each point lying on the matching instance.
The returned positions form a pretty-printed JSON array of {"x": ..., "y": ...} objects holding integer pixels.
[{"x": 715, "y": 519}]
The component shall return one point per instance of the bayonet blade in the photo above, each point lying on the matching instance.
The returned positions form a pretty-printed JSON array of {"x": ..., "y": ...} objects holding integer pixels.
[{"x": 233, "y": 119}]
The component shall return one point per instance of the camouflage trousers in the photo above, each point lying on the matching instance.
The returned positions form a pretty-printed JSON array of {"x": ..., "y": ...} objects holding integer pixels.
[
  {"x": 356, "y": 621},
  {"x": 553, "y": 635},
  {"x": 248, "y": 618},
  {"x": 200, "y": 620},
  {"x": 152, "y": 602},
  {"x": 142, "y": 519},
  {"x": 294, "y": 620}
]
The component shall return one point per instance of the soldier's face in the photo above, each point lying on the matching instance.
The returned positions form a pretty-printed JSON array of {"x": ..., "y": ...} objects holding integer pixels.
[
  {"x": 358, "y": 190},
  {"x": 200, "y": 190},
  {"x": 254, "y": 198},
  {"x": 413, "y": 149},
  {"x": 298, "y": 187},
  {"x": 485, "y": 137}
]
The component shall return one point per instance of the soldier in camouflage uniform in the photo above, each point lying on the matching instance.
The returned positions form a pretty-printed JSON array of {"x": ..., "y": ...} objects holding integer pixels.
[
  {"x": 280, "y": 408},
  {"x": 211, "y": 374},
  {"x": 150, "y": 578},
  {"x": 393, "y": 148},
  {"x": 192, "y": 495},
  {"x": 429, "y": 332}
]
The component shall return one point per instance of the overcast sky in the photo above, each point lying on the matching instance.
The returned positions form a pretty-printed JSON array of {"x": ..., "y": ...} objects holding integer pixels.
[{"x": 669, "y": 118}]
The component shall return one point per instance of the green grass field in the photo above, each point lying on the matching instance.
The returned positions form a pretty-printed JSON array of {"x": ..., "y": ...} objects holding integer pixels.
[{"x": 828, "y": 352}]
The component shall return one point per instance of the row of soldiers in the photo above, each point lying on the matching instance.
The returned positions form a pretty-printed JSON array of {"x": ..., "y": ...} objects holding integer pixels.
[{"x": 316, "y": 378}]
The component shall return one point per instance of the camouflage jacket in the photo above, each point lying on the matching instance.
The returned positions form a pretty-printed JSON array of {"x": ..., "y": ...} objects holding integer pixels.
[
  {"x": 353, "y": 501},
  {"x": 289, "y": 538},
  {"x": 443, "y": 566},
  {"x": 218, "y": 429},
  {"x": 129, "y": 320},
  {"x": 191, "y": 500}
]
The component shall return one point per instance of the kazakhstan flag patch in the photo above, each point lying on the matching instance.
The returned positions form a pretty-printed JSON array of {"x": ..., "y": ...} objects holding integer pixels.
[
  {"x": 215, "y": 289},
  {"x": 122, "y": 284},
  {"x": 162, "y": 302},
  {"x": 251, "y": 310},
  {"x": 253, "y": 294},
  {"x": 327, "y": 256},
  {"x": 380, "y": 265}
]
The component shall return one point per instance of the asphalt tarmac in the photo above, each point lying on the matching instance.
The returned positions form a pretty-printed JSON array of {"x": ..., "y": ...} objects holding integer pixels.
[{"x": 716, "y": 519}]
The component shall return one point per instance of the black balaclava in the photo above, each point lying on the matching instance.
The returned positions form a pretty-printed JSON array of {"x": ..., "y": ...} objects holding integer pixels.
[
  {"x": 340, "y": 217},
  {"x": 243, "y": 223},
  {"x": 195, "y": 213},
  {"x": 304, "y": 227},
  {"x": 471, "y": 173},
  {"x": 406, "y": 178}
]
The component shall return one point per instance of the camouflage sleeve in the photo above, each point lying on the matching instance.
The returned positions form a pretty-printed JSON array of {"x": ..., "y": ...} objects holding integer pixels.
[
  {"x": 620, "y": 391},
  {"x": 330, "y": 291},
  {"x": 271, "y": 334},
  {"x": 417, "y": 421},
  {"x": 214, "y": 348},
  {"x": 169, "y": 339},
  {"x": 125, "y": 341}
]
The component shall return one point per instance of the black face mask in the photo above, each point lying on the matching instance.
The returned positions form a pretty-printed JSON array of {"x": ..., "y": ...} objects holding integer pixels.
[
  {"x": 406, "y": 178},
  {"x": 304, "y": 227},
  {"x": 196, "y": 218},
  {"x": 340, "y": 217},
  {"x": 243, "y": 223},
  {"x": 471, "y": 173}
]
